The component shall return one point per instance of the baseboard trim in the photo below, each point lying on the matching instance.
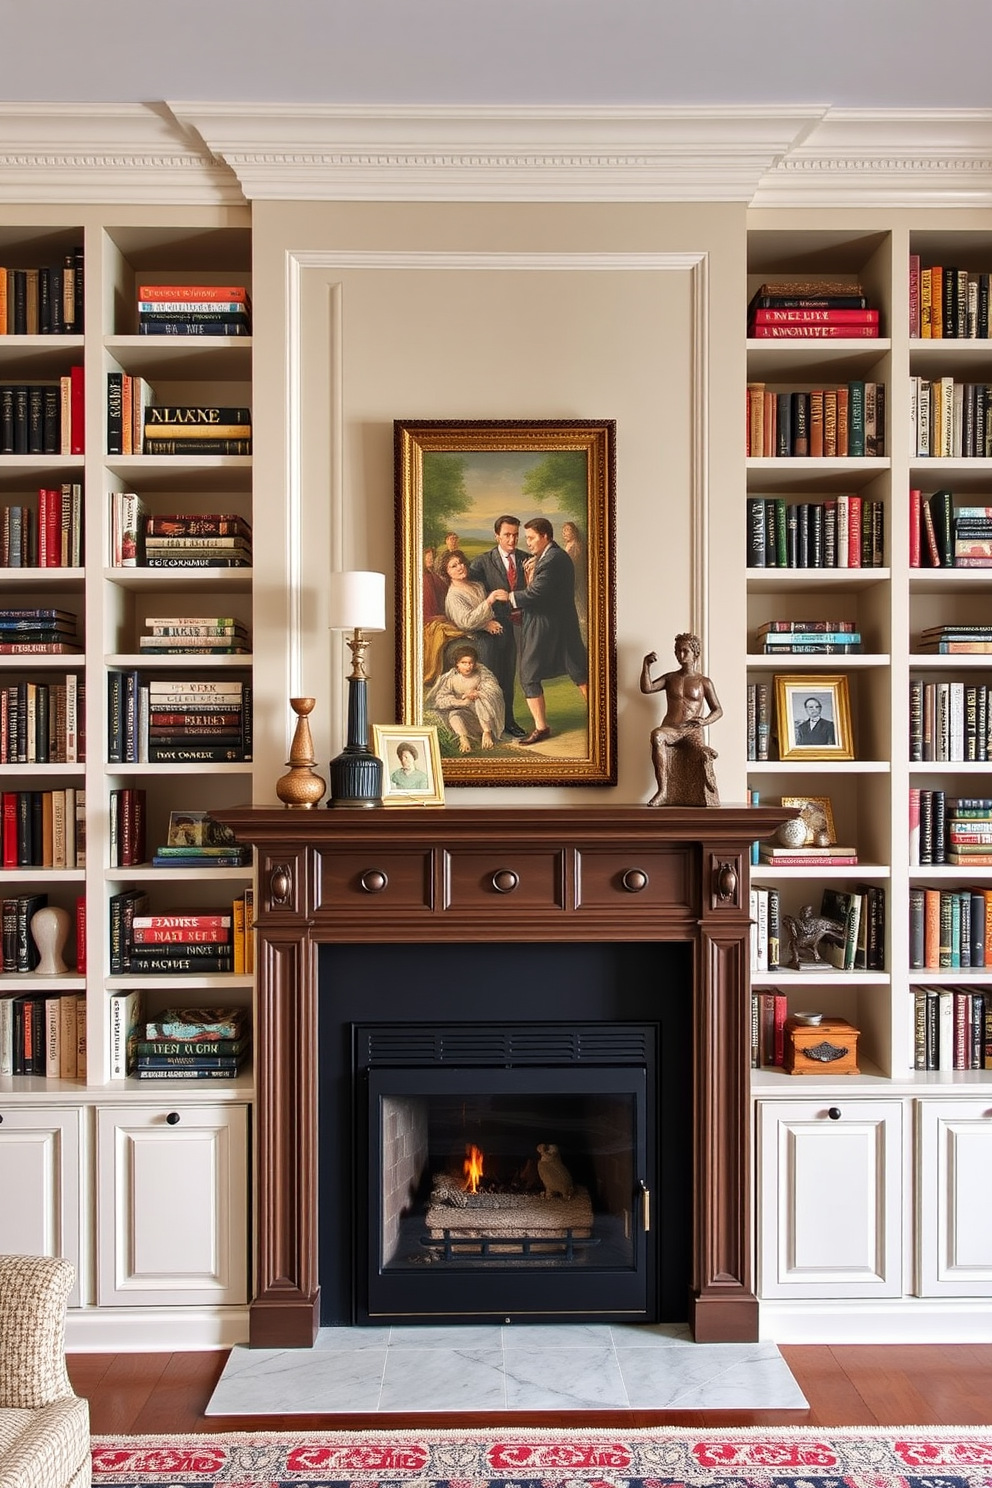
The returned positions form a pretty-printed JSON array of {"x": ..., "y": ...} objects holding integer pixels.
[
  {"x": 121, "y": 1330},
  {"x": 901, "y": 1320}
]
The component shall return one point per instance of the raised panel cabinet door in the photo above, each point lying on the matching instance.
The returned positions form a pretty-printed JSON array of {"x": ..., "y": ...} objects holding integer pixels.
[
  {"x": 954, "y": 1198},
  {"x": 829, "y": 1198},
  {"x": 172, "y": 1220},
  {"x": 40, "y": 1213}
]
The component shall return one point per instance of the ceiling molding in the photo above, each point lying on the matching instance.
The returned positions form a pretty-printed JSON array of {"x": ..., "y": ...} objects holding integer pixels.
[
  {"x": 79, "y": 153},
  {"x": 222, "y": 153}
]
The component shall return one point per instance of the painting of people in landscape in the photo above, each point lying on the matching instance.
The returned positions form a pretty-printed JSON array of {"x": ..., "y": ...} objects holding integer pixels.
[{"x": 505, "y": 597}]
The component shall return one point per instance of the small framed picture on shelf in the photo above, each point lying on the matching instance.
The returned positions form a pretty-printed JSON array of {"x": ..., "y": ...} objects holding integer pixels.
[
  {"x": 197, "y": 829},
  {"x": 411, "y": 764},
  {"x": 813, "y": 714},
  {"x": 817, "y": 815}
]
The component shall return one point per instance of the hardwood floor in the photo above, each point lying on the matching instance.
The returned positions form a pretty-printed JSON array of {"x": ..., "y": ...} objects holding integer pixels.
[{"x": 849, "y": 1385}]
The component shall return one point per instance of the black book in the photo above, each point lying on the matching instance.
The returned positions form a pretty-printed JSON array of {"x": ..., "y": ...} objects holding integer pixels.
[
  {"x": 941, "y": 505},
  {"x": 811, "y": 302},
  {"x": 783, "y": 424},
  {"x": 44, "y": 303},
  {"x": 42, "y": 717},
  {"x": 802, "y": 540},
  {"x": 115, "y": 413},
  {"x": 817, "y": 545},
  {"x": 983, "y": 306},
  {"x": 21, "y": 419},
  {"x": 792, "y": 535},
  {"x": 756, "y": 542},
  {"x": 36, "y": 420},
  {"x": 800, "y": 423},
  {"x": 926, "y": 828},
  {"x": 28, "y": 906},
  {"x": 20, "y": 318},
  {"x": 917, "y": 910},
  {"x": 6, "y": 420},
  {"x": 237, "y": 327},
  {"x": 939, "y": 827},
  {"x": 56, "y": 307},
  {"x": 51, "y": 420}
]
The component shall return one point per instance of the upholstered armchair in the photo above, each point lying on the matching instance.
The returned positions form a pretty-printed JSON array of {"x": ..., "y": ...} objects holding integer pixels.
[{"x": 44, "y": 1427}]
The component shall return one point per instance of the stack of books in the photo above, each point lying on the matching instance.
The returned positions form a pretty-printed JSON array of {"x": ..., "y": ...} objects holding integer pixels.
[
  {"x": 809, "y": 637},
  {"x": 194, "y": 635},
  {"x": 163, "y": 944},
  {"x": 193, "y": 1044},
  {"x": 944, "y": 536},
  {"x": 830, "y": 423},
  {"x": 952, "y": 1029},
  {"x": 199, "y": 722},
  {"x": 195, "y": 840},
  {"x": 194, "y": 310},
  {"x": 949, "y": 929},
  {"x": 817, "y": 309},
  {"x": 956, "y": 640},
  {"x": 38, "y": 632},
  {"x": 197, "y": 429},
  {"x": 836, "y": 855},
  {"x": 216, "y": 540},
  {"x": 838, "y": 532}
]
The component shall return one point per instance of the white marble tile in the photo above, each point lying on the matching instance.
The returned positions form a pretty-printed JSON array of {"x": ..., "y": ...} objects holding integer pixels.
[
  {"x": 563, "y": 1379},
  {"x": 652, "y": 1335},
  {"x": 440, "y": 1336},
  {"x": 556, "y": 1335},
  {"x": 709, "y": 1377},
  {"x": 298, "y": 1382},
  {"x": 347, "y": 1340},
  {"x": 439, "y": 1379}
]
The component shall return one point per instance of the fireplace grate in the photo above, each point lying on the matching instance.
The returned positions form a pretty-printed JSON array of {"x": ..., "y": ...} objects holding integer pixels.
[{"x": 420, "y": 1045}]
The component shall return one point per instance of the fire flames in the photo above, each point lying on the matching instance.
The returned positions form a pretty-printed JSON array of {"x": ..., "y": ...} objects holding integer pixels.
[{"x": 472, "y": 1168}]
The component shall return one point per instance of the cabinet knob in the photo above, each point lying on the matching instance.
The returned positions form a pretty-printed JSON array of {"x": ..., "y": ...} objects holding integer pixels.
[
  {"x": 634, "y": 880},
  {"x": 834, "y": 1113},
  {"x": 173, "y": 1118},
  {"x": 726, "y": 881},
  {"x": 504, "y": 880},
  {"x": 1, "y": 1120},
  {"x": 280, "y": 884},
  {"x": 373, "y": 880}
]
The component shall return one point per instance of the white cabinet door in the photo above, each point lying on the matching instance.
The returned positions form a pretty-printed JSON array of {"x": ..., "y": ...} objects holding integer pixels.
[
  {"x": 40, "y": 1153},
  {"x": 829, "y": 1198},
  {"x": 172, "y": 1220},
  {"x": 954, "y": 1198}
]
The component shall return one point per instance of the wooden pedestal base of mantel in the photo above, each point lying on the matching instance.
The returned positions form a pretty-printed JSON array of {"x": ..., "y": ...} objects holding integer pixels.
[{"x": 451, "y": 874}]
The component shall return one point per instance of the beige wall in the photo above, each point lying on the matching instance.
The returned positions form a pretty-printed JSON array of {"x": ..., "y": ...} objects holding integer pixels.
[{"x": 366, "y": 313}]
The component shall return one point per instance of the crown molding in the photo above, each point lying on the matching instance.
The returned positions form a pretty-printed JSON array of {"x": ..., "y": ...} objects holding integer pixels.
[
  {"x": 222, "y": 153},
  {"x": 79, "y": 153}
]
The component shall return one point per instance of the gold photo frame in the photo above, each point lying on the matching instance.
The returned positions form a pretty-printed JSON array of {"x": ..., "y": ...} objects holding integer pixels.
[
  {"x": 817, "y": 814},
  {"x": 813, "y": 713},
  {"x": 411, "y": 764},
  {"x": 543, "y": 630}
]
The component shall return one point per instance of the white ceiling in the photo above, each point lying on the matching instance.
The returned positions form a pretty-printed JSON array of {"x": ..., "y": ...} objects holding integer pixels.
[{"x": 846, "y": 53}]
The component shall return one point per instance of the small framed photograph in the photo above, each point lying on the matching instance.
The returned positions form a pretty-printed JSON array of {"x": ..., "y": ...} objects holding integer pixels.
[
  {"x": 814, "y": 717},
  {"x": 817, "y": 814},
  {"x": 411, "y": 764},
  {"x": 197, "y": 829}
]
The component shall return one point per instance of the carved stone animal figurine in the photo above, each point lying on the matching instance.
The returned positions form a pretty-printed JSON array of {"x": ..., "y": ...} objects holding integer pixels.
[
  {"x": 806, "y": 930},
  {"x": 553, "y": 1173}
]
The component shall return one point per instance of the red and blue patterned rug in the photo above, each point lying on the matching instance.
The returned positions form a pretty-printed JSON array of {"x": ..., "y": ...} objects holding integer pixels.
[{"x": 659, "y": 1457}]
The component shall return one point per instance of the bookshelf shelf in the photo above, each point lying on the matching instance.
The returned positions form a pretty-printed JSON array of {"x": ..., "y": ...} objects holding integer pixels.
[
  {"x": 796, "y": 661},
  {"x": 191, "y": 580},
  {"x": 782, "y": 360},
  {"x": 183, "y": 358},
  {"x": 762, "y": 872}
]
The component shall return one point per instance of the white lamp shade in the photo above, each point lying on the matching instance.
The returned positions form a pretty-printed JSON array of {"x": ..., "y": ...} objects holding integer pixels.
[{"x": 356, "y": 601}]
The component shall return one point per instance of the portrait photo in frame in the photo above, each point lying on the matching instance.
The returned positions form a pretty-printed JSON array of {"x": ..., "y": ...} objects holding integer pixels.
[
  {"x": 813, "y": 715},
  {"x": 505, "y": 596},
  {"x": 817, "y": 815},
  {"x": 411, "y": 764}
]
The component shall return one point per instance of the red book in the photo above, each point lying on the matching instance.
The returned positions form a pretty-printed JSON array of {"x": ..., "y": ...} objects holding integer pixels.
[
  {"x": 187, "y": 936},
  {"x": 812, "y": 332},
  {"x": 9, "y": 803},
  {"x": 77, "y": 411},
  {"x": 915, "y": 499},
  {"x": 854, "y": 532},
  {"x": 798, "y": 317},
  {"x": 183, "y": 922},
  {"x": 81, "y": 933}
]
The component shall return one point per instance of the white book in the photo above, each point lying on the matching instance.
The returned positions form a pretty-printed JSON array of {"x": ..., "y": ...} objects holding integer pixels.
[
  {"x": 80, "y": 1036},
  {"x": 70, "y": 825},
  {"x": 956, "y": 720},
  {"x": 957, "y": 424},
  {"x": 753, "y": 911},
  {"x": 762, "y": 940},
  {"x": 126, "y": 1011},
  {"x": 914, "y": 416},
  {"x": 924, "y": 404},
  {"x": 6, "y": 1035},
  {"x": 945, "y": 1029},
  {"x": 843, "y": 531},
  {"x": 71, "y": 718}
]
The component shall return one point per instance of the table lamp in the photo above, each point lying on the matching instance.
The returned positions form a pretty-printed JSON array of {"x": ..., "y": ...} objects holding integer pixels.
[{"x": 357, "y": 603}]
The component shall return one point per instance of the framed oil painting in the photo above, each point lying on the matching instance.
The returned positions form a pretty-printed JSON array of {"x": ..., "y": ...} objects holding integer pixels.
[
  {"x": 813, "y": 713},
  {"x": 505, "y": 597},
  {"x": 411, "y": 765}
]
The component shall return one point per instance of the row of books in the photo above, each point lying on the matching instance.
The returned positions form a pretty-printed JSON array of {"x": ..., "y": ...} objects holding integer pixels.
[
  {"x": 44, "y": 300},
  {"x": 759, "y": 720},
  {"x": 19, "y": 952},
  {"x": 949, "y": 420},
  {"x": 949, "y": 829},
  {"x": 949, "y": 722},
  {"x": 167, "y": 944},
  {"x": 139, "y": 538},
  {"x": 43, "y": 723},
  {"x": 946, "y": 302},
  {"x": 43, "y": 828},
  {"x": 43, "y": 1034},
  {"x": 949, "y": 929},
  {"x": 956, "y": 640},
  {"x": 837, "y": 532},
  {"x": 769, "y": 1010},
  {"x": 168, "y": 720},
  {"x": 38, "y": 632},
  {"x": 47, "y": 533},
  {"x": 805, "y": 637},
  {"x": 832, "y": 423},
  {"x": 179, "y": 1044},
  {"x": 808, "y": 308},
  {"x": 942, "y": 535},
  {"x": 857, "y": 945},
  {"x": 43, "y": 418},
  {"x": 952, "y": 1029},
  {"x": 194, "y": 310},
  {"x": 137, "y": 425}
]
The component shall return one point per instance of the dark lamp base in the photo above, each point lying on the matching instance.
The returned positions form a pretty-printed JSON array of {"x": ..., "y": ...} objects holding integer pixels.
[{"x": 356, "y": 779}]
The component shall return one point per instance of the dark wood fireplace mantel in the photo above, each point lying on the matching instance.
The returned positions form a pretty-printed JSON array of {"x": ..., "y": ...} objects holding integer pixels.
[{"x": 423, "y": 875}]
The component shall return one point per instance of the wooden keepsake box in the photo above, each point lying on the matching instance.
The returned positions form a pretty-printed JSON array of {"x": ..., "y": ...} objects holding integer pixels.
[{"x": 829, "y": 1047}]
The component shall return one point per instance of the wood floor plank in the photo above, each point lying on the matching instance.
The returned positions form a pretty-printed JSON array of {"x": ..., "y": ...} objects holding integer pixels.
[{"x": 926, "y": 1384}]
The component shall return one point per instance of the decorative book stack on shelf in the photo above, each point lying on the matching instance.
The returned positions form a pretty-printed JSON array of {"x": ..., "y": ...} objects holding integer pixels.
[
  {"x": 195, "y": 840},
  {"x": 221, "y": 540},
  {"x": 809, "y": 638},
  {"x": 195, "y": 635},
  {"x": 947, "y": 303},
  {"x": 846, "y": 421},
  {"x": 46, "y": 299},
  {"x": 811, "y": 309},
  {"x": 194, "y": 310},
  {"x": 841, "y": 531},
  {"x": 944, "y": 536},
  {"x": 38, "y": 632},
  {"x": 194, "y": 1044},
  {"x": 197, "y": 429}
]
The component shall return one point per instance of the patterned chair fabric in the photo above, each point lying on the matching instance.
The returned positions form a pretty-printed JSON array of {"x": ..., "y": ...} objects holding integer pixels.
[{"x": 44, "y": 1426}]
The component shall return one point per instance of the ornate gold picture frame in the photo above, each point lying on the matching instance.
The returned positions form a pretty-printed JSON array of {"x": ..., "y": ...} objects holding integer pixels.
[
  {"x": 512, "y": 661},
  {"x": 813, "y": 713}
]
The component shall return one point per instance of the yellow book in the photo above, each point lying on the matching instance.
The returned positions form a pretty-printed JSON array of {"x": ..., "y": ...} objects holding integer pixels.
[
  {"x": 925, "y": 303},
  {"x": 250, "y": 932},
  {"x": 238, "y": 934}
]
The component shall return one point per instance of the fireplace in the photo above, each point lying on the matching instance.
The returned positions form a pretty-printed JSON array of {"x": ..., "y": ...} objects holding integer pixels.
[
  {"x": 582, "y": 1047},
  {"x": 621, "y": 886}
]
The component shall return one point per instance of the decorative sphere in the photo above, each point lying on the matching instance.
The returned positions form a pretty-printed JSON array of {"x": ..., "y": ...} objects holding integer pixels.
[
  {"x": 792, "y": 833},
  {"x": 822, "y": 838}
]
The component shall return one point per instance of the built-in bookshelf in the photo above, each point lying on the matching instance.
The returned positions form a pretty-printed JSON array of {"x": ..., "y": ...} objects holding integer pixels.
[{"x": 63, "y": 497}]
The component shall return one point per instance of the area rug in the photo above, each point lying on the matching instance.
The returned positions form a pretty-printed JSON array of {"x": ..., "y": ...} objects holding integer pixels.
[{"x": 746, "y": 1457}]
